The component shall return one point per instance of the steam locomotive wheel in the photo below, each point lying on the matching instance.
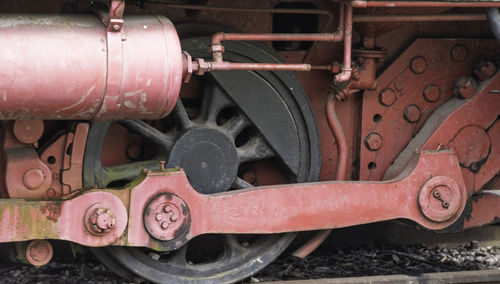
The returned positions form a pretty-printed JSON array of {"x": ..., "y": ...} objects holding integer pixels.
[{"x": 244, "y": 119}]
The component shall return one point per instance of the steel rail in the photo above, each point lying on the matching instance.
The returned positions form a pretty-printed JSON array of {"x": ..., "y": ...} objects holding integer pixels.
[{"x": 475, "y": 276}]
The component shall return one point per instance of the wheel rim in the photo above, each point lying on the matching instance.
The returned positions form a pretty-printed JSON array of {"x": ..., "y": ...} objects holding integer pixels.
[{"x": 237, "y": 137}]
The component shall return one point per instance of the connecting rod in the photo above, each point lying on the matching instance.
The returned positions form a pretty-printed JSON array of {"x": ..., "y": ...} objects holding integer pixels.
[{"x": 161, "y": 210}]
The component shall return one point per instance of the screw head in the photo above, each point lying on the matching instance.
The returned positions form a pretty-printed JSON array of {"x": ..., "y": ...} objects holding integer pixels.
[
  {"x": 412, "y": 113},
  {"x": 459, "y": 52},
  {"x": 432, "y": 93},
  {"x": 373, "y": 141},
  {"x": 387, "y": 97},
  {"x": 116, "y": 28},
  {"x": 418, "y": 65}
]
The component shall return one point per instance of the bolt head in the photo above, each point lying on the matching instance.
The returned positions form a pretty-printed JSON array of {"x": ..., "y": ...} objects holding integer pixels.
[
  {"x": 167, "y": 209},
  {"x": 39, "y": 252},
  {"x": 432, "y": 93},
  {"x": 158, "y": 217},
  {"x": 173, "y": 218},
  {"x": 418, "y": 65},
  {"x": 387, "y": 97},
  {"x": 373, "y": 141},
  {"x": 33, "y": 179},
  {"x": 164, "y": 225},
  {"x": 101, "y": 220},
  {"x": 412, "y": 113},
  {"x": 116, "y": 28}
]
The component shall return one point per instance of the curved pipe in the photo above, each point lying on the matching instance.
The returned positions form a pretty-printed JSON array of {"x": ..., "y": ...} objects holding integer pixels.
[
  {"x": 346, "y": 73},
  {"x": 494, "y": 18},
  {"x": 340, "y": 174}
]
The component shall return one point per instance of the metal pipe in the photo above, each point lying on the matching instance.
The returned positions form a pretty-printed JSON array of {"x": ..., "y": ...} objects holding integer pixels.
[
  {"x": 346, "y": 73},
  {"x": 494, "y": 18},
  {"x": 418, "y": 18},
  {"x": 325, "y": 13},
  {"x": 338, "y": 35},
  {"x": 219, "y": 37},
  {"x": 200, "y": 66},
  {"x": 226, "y": 66},
  {"x": 340, "y": 174},
  {"x": 451, "y": 4}
]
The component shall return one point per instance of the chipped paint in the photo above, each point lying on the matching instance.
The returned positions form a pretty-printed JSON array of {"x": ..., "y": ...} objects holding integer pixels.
[{"x": 129, "y": 104}]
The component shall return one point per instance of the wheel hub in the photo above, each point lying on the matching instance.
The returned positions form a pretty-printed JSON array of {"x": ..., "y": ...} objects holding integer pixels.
[{"x": 208, "y": 157}]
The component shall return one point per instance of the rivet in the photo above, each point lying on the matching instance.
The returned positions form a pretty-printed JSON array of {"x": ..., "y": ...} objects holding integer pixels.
[
  {"x": 459, "y": 52},
  {"x": 432, "y": 93},
  {"x": 418, "y": 65},
  {"x": 411, "y": 113}
]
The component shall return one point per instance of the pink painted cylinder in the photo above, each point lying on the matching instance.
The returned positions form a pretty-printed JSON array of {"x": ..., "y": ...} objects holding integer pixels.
[{"x": 71, "y": 67}]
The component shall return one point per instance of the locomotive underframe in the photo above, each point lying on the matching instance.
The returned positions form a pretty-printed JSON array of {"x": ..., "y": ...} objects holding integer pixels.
[{"x": 440, "y": 172}]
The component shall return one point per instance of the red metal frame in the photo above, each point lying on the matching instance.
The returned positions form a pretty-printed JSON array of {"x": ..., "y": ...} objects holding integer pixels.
[{"x": 431, "y": 192}]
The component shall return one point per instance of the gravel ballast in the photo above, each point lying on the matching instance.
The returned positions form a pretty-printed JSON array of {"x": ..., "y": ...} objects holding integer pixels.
[{"x": 344, "y": 261}]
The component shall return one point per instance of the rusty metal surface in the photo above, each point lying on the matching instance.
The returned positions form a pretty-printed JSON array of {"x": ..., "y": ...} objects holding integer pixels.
[
  {"x": 53, "y": 171},
  {"x": 418, "y": 82},
  {"x": 89, "y": 73},
  {"x": 27, "y": 220},
  {"x": 484, "y": 209},
  {"x": 473, "y": 137},
  {"x": 351, "y": 203}
]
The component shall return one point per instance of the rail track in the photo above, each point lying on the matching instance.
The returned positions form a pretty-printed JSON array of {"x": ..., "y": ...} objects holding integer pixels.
[{"x": 477, "y": 276}]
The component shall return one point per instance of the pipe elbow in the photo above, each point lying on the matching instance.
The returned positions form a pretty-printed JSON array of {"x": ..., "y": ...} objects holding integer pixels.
[
  {"x": 217, "y": 38},
  {"x": 344, "y": 76}
]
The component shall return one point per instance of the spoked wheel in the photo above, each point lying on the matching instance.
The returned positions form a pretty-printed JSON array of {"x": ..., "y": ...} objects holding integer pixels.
[{"x": 237, "y": 122}]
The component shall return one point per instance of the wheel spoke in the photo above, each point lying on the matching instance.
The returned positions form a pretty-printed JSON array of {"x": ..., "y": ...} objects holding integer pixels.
[
  {"x": 150, "y": 133},
  {"x": 214, "y": 100},
  {"x": 254, "y": 150},
  {"x": 240, "y": 183},
  {"x": 126, "y": 172},
  {"x": 178, "y": 257},
  {"x": 236, "y": 125},
  {"x": 232, "y": 247},
  {"x": 181, "y": 115}
]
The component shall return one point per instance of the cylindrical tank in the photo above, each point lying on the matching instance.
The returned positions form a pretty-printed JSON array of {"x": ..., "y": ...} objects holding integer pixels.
[{"x": 71, "y": 67}]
